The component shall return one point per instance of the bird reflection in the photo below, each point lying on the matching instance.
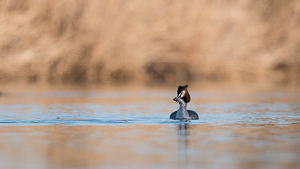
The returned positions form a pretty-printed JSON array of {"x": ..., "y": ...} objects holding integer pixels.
[{"x": 183, "y": 144}]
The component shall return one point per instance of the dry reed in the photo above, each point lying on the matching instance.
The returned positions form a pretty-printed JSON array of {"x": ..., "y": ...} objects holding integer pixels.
[{"x": 103, "y": 41}]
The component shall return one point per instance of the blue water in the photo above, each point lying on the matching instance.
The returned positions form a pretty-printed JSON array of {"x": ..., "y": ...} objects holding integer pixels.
[
  {"x": 133, "y": 130},
  {"x": 154, "y": 113}
]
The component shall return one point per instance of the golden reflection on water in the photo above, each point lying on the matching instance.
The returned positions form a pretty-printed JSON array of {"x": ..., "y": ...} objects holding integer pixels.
[
  {"x": 140, "y": 146},
  {"x": 86, "y": 146}
]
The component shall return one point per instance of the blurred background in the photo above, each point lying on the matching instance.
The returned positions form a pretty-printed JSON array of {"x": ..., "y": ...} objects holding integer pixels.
[
  {"x": 137, "y": 41},
  {"x": 241, "y": 59}
]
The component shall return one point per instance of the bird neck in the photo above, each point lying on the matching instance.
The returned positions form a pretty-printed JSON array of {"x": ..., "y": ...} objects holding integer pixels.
[
  {"x": 182, "y": 103},
  {"x": 182, "y": 111}
]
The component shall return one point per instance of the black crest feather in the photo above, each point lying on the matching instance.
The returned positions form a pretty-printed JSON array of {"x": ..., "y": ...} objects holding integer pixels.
[{"x": 181, "y": 88}]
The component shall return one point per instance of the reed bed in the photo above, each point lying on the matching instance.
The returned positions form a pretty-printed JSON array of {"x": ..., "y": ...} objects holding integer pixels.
[{"x": 160, "y": 41}]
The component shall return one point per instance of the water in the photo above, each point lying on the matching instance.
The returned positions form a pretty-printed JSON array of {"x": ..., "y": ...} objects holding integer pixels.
[{"x": 131, "y": 129}]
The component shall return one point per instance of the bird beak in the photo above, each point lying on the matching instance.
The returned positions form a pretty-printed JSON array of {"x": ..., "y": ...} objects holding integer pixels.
[{"x": 177, "y": 97}]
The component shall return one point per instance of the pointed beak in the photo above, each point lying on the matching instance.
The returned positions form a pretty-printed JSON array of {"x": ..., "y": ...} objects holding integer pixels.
[{"x": 177, "y": 97}]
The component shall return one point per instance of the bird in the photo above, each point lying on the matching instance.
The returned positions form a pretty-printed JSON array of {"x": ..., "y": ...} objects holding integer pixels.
[{"x": 183, "y": 97}]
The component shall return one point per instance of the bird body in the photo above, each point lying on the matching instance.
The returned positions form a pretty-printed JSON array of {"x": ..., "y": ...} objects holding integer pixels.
[{"x": 183, "y": 97}]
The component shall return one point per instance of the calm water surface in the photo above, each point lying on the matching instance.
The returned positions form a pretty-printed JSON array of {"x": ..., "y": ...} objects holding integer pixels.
[{"x": 131, "y": 129}]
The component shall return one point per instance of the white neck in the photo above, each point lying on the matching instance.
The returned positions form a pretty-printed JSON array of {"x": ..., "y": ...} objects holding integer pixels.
[{"x": 182, "y": 112}]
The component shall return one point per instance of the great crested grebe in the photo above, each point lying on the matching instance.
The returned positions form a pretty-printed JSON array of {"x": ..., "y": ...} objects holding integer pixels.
[{"x": 183, "y": 97}]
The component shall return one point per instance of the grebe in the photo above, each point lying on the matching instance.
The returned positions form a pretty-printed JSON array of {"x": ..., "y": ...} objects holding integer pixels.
[{"x": 183, "y": 97}]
